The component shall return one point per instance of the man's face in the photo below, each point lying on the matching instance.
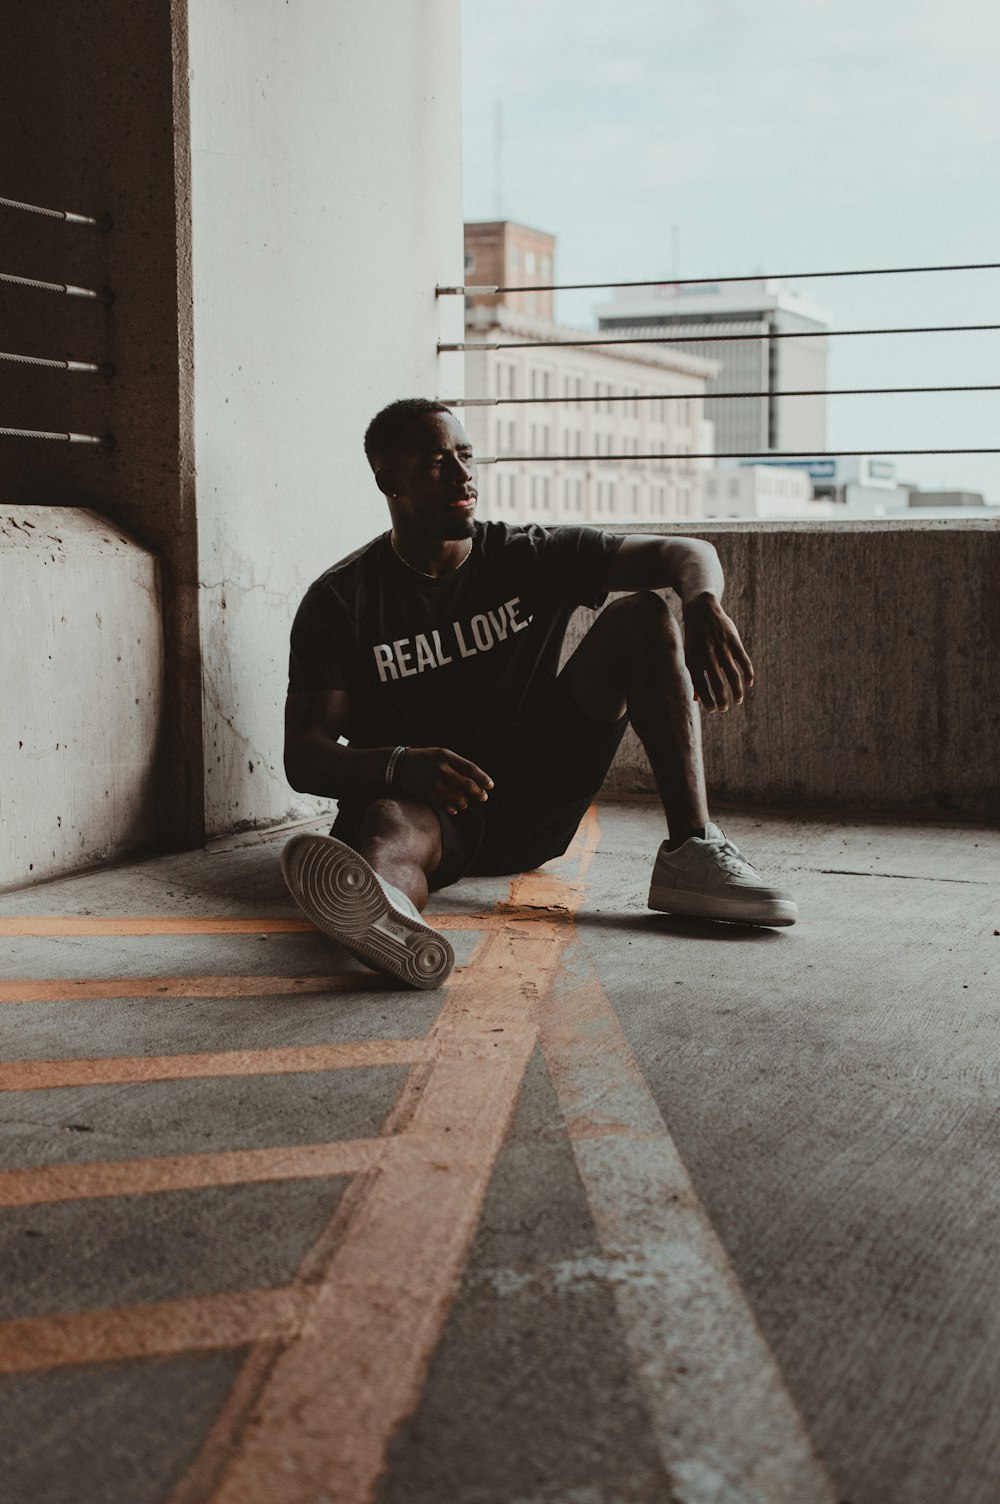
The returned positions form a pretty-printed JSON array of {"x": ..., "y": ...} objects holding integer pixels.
[{"x": 434, "y": 477}]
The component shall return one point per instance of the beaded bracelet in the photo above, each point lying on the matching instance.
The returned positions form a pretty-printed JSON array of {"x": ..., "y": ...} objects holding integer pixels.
[{"x": 390, "y": 767}]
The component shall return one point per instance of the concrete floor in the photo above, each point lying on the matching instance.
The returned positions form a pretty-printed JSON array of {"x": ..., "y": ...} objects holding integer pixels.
[{"x": 633, "y": 1210}]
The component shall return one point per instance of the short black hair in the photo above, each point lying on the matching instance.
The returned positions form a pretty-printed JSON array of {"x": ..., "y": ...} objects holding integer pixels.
[{"x": 385, "y": 430}]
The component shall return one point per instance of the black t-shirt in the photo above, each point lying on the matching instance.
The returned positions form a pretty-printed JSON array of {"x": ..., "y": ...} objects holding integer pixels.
[{"x": 458, "y": 661}]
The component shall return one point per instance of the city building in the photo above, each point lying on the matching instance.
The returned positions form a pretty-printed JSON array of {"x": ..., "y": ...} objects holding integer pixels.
[
  {"x": 946, "y": 499},
  {"x": 501, "y": 253},
  {"x": 841, "y": 485},
  {"x": 761, "y": 491},
  {"x": 755, "y": 358},
  {"x": 582, "y": 400}
]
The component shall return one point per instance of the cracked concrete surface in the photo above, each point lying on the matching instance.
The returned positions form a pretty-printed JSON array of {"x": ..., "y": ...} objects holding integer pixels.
[{"x": 830, "y": 1092}]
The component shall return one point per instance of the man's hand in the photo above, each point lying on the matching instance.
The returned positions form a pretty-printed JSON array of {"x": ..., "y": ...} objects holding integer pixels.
[
  {"x": 441, "y": 778},
  {"x": 717, "y": 661}
]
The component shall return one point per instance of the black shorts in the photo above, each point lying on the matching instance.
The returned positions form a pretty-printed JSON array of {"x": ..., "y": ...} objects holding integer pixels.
[{"x": 545, "y": 779}]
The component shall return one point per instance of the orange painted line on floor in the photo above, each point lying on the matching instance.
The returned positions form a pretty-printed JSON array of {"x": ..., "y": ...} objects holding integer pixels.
[
  {"x": 55, "y": 925},
  {"x": 504, "y": 913},
  {"x": 43, "y": 1075},
  {"x": 338, "y": 1391},
  {"x": 125, "y": 924},
  {"x": 211, "y": 1323},
  {"x": 330, "y": 1403},
  {"x": 48, "y": 1184},
  {"x": 67, "y": 989},
  {"x": 353, "y": 1335}
]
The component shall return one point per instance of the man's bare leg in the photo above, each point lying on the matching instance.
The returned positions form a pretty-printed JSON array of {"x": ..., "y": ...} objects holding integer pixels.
[
  {"x": 369, "y": 897},
  {"x": 401, "y": 840},
  {"x": 632, "y": 659}
]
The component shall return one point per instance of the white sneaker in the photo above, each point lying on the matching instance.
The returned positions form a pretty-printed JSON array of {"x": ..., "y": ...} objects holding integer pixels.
[
  {"x": 346, "y": 899},
  {"x": 709, "y": 878}
]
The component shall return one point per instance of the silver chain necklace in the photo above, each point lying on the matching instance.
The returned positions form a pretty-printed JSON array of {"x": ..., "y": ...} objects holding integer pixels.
[{"x": 423, "y": 572}]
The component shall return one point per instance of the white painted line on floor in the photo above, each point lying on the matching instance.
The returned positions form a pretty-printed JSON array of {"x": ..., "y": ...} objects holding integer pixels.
[{"x": 727, "y": 1429}]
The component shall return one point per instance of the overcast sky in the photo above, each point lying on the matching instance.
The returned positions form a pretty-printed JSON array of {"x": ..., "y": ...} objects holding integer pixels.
[{"x": 777, "y": 136}]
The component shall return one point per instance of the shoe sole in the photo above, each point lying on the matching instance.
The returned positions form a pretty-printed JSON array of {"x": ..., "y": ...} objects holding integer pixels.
[
  {"x": 342, "y": 896},
  {"x": 765, "y": 911}
]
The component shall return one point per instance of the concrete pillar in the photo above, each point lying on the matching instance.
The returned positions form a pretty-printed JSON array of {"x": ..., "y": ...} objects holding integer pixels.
[{"x": 326, "y": 198}]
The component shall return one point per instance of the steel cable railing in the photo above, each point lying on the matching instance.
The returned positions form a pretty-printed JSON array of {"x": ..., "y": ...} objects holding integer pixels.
[
  {"x": 866, "y": 271},
  {"x": 822, "y": 391},
  {"x": 675, "y": 338},
  {"x": 66, "y": 289},
  {"x": 707, "y": 339}
]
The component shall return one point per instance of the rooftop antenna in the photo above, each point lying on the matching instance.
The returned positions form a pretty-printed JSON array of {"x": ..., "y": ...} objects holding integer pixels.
[{"x": 498, "y": 156}]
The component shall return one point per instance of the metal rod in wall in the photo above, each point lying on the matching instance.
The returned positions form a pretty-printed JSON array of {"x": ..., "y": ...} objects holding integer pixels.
[
  {"x": 91, "y": 366},
  {"x": 104, "y": 296},
  {"x": 100, "y": 223},
  {"x": 105, "y": 441}
]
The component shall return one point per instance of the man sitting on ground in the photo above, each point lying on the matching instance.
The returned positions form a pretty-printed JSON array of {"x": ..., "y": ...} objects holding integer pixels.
[{"x": 434, "y": 651}]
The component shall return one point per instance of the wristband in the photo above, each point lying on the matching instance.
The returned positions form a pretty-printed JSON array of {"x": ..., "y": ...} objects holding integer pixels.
[{"x": 390, "y": 767}]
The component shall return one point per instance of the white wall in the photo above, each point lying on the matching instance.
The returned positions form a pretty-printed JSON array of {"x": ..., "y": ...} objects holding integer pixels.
[
  {"x": 326, "y": 204},
  {"x": 81, "y": 662}
]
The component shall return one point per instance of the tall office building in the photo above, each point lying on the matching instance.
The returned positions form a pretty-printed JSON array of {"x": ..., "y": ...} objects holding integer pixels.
[{"x": 763, "y": 364}]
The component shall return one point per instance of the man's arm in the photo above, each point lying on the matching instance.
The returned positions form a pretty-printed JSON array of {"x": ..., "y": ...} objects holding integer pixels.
[
  {"x": 316, "y": 762},
  {"x": 717, "y": 661}
]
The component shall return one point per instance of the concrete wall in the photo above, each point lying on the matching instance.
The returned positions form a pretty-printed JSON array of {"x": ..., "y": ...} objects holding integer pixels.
[
  {"x": 89, "y": 95},
  {"x": 326, "y": 204},
  {"x": 81, "y": 660},
  {"x": 876, "y": 648},
  {"x": 285, "y": 188}
]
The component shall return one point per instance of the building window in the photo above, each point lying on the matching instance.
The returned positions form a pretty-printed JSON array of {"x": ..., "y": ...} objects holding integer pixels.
[
  {"x": 506, "y": 379},
  {"x": 470, "y": 262},
  {"x": 529, "y": 262},
  {"x": 541, "y": 384}
]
